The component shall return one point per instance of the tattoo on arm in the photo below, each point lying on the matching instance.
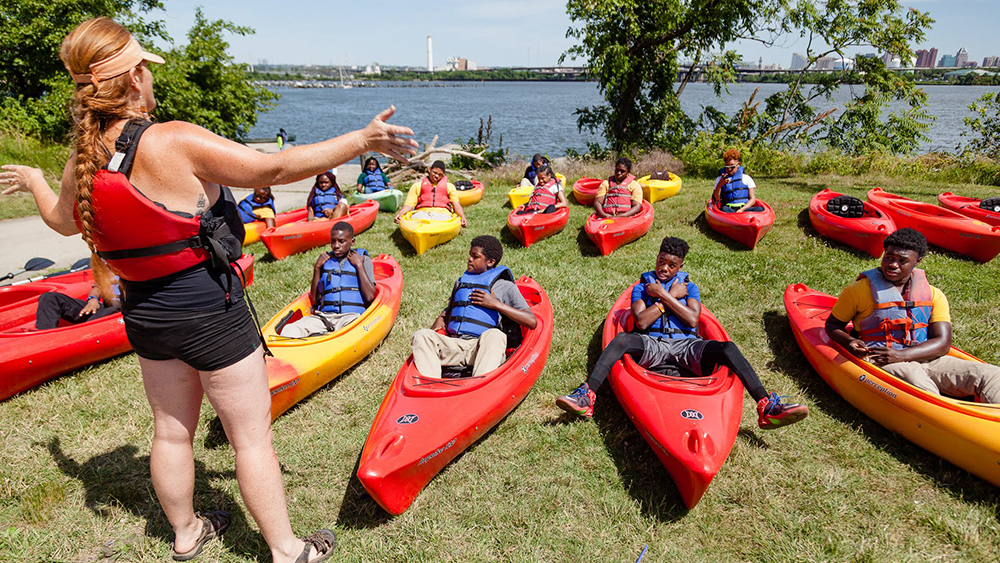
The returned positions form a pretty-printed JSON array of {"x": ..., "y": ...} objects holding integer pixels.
[{"x": 202, "y": 202}]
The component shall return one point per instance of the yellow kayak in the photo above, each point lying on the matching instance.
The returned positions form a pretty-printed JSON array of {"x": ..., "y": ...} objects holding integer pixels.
[
  {"x": 655, "y": 190},
  {"x": 471, "y": 194},
  {"x": 423, "y": 234},
  {"x": 300, "y": 366},
  {"x": 519, "y": 195}
]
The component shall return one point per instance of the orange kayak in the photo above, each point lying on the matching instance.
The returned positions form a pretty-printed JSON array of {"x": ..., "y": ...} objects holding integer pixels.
[
  {"x": 864, "y": 233},
  {"x": 745, "y": 228},
  {"x": 614, "y": 232},
  {"x": 304, "y": 235},
  {"x": 585, "y": 190},
  {"x": 970, "y": 207},
  {"x": 254, "y": 228},
  {"x": 533, "y": 227}
]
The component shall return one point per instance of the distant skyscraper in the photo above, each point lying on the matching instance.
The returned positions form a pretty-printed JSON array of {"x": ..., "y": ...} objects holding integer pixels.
[
  {"x": 932, "y": 57},
  {"x": 922, "y": 56},
  {"x": 991, "y": 62},
  {"x": 947, "y": 61},
  {"x": 961, "y": 57},
  {"x": 798, "y": 61},
  {"x": 430, "y": 55}
]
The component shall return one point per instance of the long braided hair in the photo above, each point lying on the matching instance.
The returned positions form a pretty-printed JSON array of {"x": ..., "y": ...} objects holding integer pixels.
[{"x": 94, "y": 110}]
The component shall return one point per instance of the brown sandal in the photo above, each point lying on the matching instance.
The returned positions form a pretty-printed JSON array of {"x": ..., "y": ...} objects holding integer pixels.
[
  {"x": 213, "y": 525},
  {"x": 324, "y": 541}
]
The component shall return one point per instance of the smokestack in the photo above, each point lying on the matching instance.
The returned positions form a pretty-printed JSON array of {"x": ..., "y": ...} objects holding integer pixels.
[{"x": 430, "y": 55}]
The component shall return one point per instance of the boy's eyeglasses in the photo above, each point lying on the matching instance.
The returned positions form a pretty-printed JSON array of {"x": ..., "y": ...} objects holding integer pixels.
[{"x": 731, "y": 167}]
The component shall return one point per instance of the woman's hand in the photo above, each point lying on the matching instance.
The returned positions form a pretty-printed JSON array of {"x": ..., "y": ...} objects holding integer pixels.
[
  {"x": 392, "y": 140},
  {"x": 19, "y": 178}
]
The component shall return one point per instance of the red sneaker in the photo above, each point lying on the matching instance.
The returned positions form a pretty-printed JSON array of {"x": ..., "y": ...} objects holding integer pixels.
[
  {"x": 772, "y": 413},
  {"x": 580, "y": 401}
]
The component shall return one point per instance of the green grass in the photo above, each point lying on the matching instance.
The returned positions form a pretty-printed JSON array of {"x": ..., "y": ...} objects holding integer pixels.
[
  {"x": 16, "y": 149},
  {"x": 74, "y": 482}
]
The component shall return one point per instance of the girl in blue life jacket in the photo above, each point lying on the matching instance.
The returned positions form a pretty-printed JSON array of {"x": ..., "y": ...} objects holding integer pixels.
[
  {"x": 734, "y": 189},
  {"x": 666, "y": 306},
  {"x": 258, "y": 206},
  {"x": 372, "y": 179},
  {"x": 325, "y": 200}
]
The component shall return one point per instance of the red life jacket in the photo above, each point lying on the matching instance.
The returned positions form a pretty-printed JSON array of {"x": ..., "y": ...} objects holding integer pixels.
[
  {"x": 138, "y": 239},
  {"x": 542, "y": 197},
  {"x": 434, "y": 195},
  {"x": 619, "y": 198}
]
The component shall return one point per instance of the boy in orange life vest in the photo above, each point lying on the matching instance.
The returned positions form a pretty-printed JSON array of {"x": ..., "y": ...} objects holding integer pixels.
[
  {"x": 547, "y": 196},
  {"x": 480, "y": 300},
  {"x": 620, "y": 195},
  {"x": 343, "y": 285},
  {"x": 434, "y": 190},
  {"x": 909, "y": 333}
]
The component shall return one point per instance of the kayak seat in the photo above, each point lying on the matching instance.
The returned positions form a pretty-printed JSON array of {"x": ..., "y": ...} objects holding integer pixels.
[
  {"x": 463, "y": 185},
  {"x": 846, "y": 206},
  {"x": 458, "y": 372},
  {"x": 660, "y": 175},
  {"x": 292, "y": 316},
  {"x": 991, "y": 204}
]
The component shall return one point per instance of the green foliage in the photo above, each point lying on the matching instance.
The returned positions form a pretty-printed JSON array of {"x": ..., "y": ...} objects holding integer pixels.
[
  {"x": 984, "y": 126},
  {"x": 201, "y": 83},
  {"x": 632, "y": 48},
  {"x": 481, "y": 146}
]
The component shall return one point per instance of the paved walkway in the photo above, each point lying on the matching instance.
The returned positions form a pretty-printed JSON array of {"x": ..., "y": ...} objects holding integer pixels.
[{"x": 29, "y": 237}]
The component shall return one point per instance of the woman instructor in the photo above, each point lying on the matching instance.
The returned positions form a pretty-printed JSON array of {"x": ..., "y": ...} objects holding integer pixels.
[{"x": 188, "y": 324}]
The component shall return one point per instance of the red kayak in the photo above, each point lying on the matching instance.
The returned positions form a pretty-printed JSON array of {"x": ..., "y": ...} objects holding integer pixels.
[
  {"x": 17, "y": 302},
  {"x": 942, "y": 227},
  {"x": 533, "y": 227},
  {"x": 304, "y": 235},
  {"x": 745, "y": 228},
  {"x": 255, "y": 228},
  {"x": 690, "y": 422},
  {"x": 971, "y": 207},
  {"x": 864, "y": 229},
  {"x": 30, "y": 357},
  {"x": 585, "y": 190},
  {"x": 425, "y": 423},
  {"x": 611, "y": 233}
]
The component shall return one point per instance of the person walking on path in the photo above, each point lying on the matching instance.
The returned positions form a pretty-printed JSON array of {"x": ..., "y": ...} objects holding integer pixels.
[{"x": 159, "y": 219}]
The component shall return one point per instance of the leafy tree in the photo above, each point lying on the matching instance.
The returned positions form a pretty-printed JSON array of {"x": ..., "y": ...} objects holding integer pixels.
[
  {"x": 984, "y": 126},
  {"x": 202, "y": 84}
]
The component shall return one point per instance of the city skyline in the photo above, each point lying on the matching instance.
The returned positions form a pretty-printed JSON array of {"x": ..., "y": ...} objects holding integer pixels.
[{"x": 493, "y": 33}]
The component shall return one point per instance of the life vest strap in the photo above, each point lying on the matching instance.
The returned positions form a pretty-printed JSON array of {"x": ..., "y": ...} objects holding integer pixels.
[
  {"x": 157, "y": 250},
  {"x": 473, "y": 321},
  {"x": 906, "y": 304}
]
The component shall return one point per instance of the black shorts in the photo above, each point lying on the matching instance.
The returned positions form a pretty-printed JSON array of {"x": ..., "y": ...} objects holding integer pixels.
[{"x": 204, "y": 340}]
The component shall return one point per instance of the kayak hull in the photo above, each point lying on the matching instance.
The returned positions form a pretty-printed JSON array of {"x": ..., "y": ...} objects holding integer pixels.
[
  {"x": 863, "y": 233},
  {"x": 471, "y": 196},
  {"x": 388, "y": 200},
  {"x": 969, "y": 206},
  {"x": 300, "y": 366},
  {"x": 942, "y": 227},
  {"x": 533, "y": 227},
  {"x": 304, "y": 235},
  {"x": 745, "y": 228},
  {"x": 585, "y": 190},
  {"x": 655, "y": 190},
  {"x": 965, "y": 433},
  {"x": 423, "y": 423},
  {"x": 30, "y": 357},
  {"x": 614, "y": 232},
  {"x": 691, "y": 423},
  {"x": 255, "y": 228},
  {"x": 424, "y": 234}
]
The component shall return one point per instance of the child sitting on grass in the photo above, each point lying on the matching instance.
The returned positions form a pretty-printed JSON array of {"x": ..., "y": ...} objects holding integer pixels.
[{"x": 666, "y": 306}]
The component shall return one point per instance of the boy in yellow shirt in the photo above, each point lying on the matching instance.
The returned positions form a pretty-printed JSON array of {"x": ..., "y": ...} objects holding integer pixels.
[
  {"x": 620, "y": 195},
  {"x": 435, "y": 191}
]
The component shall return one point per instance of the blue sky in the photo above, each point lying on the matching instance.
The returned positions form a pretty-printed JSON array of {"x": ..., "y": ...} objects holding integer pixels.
[{"x": 490, "y": 32}]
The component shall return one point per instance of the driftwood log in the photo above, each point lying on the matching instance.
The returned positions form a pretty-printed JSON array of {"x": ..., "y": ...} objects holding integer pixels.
[{"x": 419, "y": 165}]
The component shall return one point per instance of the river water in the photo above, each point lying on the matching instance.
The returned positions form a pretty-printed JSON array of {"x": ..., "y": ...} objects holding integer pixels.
[{"x": 533, "y": 116}]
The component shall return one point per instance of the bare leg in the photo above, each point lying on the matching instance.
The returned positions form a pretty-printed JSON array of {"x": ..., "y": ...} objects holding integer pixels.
[
  {"x": 341, "y": 209},
  {"x": 174, "y": 392},
  {"x": 240, "y": 396}
]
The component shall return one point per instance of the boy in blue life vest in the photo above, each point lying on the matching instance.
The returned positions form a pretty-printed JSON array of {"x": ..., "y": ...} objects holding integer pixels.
[
  {"x": 258, "y": 206},
  {"x": 903, "y": 325},
  {"x": 666, "y": 306},
  {"x": 531, "y": 172},
  {"x": 343, "y": 285},
  {"x": 474, "y": 320},
  {"x": 372, "y": 179},
  {"x": 734, "y": 190},
  {"x": 620, "y": 195}
]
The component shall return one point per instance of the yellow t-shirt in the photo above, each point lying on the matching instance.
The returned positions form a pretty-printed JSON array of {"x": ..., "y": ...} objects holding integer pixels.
[
  {"x": 633, "y": 187},
  {"x": 414, "y": 194},
  {"x": 856, "y": 303}
]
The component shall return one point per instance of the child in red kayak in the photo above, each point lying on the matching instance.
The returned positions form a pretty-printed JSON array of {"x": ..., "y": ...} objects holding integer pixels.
[
  {"x": 482, "y": 299},
  {"x": 666, "y": 306},
  {"x": 343, "y": 285},
  {"x": 620, "y": 195},
  {"x": 548, "y": 193},
  {"x": 325, "y": 200},
  {"x": 54, "y": 306},
  {"x": 734, "y": 189},
  {"x": 908, "y": 332}
]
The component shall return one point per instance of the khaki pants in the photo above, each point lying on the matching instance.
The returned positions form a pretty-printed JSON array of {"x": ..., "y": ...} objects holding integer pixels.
[
  {"x": 431, "y": 350},
  {"x": 313, "y": 324},
  {"x": 951, "y": 376},
  {"x": 430, "y": 215}
]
